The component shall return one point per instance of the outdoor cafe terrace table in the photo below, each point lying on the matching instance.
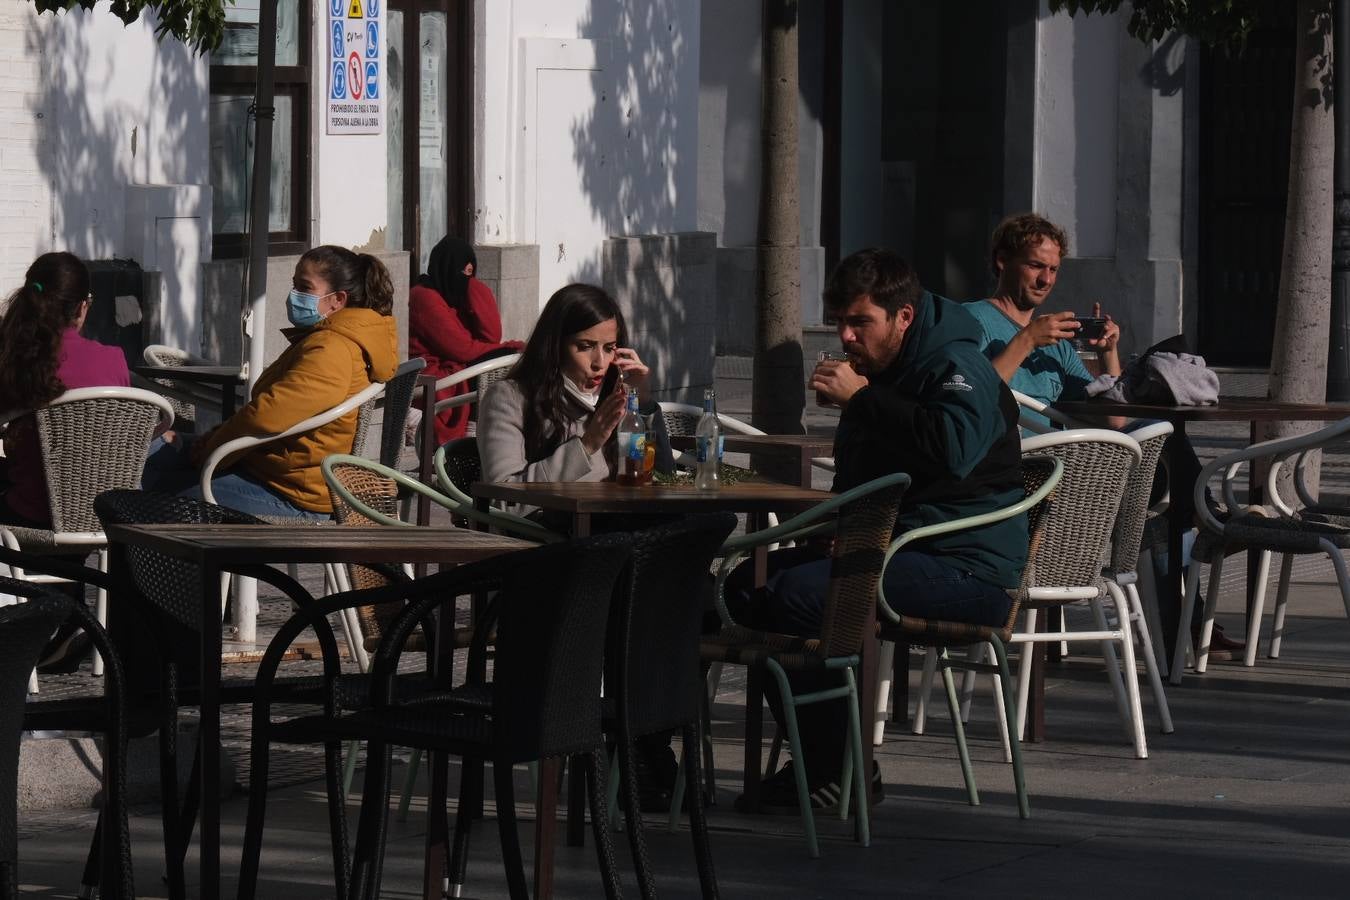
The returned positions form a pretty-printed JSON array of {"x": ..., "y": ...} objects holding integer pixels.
[
  {"x": 227, "y": 378},
  {"x": 217, "y": 548},
  {"x": 584, "y": 499},
  {"x": 1253, "y": 410},
  {"x": 802, "y": 448}
]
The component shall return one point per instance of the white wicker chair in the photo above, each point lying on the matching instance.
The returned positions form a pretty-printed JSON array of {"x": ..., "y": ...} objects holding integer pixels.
[
  {"x": 246, "y": 589},
  {"x": 186, "y": 397},
  {"x": 1098, "y": 466},
  {"x": 92, "y": 440},
  {"x": 486, "y": 372}
]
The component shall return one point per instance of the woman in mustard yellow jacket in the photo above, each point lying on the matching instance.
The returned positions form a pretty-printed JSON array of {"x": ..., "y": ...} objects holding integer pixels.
[{"x": 344, "y": 337}]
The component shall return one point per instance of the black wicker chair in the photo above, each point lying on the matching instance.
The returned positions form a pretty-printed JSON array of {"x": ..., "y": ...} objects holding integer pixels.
[
  {"x": 654, "y": 676},
  {"x": 24, "y": 630},
  {"x": 161, "y": 629},
  {"x": 398, "y": 397},
  {"x": 141, "y": 698},
  {"x": 542, "y": 702}
]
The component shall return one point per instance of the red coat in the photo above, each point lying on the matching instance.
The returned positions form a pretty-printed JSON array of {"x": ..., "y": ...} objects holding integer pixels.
[{"x": 451, "y": 339}]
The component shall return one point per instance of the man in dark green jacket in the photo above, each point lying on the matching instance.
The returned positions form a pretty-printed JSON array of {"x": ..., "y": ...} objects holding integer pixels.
[{"x": 918, "y": 396}]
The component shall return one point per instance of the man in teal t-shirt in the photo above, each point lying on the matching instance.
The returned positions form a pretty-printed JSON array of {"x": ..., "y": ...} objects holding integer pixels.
[{"x": 1033, "y": 353}]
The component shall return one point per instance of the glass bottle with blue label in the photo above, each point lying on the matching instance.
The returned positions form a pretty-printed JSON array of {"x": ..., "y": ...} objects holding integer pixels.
[{"x": 632, "y": 443}]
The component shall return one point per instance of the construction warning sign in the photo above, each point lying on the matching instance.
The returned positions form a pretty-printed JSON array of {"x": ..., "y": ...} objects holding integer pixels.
[{"x": 355, "y": 64}]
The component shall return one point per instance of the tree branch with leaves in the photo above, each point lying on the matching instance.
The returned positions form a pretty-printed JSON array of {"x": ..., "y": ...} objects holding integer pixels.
[{"x": 200, "y": 24}]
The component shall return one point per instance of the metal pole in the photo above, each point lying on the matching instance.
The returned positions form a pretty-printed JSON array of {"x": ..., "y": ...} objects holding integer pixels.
[
  {"x": 255, "y": 313},
  {"x": 1338, "y": 357}
]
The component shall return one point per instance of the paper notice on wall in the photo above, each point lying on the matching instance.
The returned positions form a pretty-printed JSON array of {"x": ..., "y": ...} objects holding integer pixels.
[{"x": 355, "y": 63}]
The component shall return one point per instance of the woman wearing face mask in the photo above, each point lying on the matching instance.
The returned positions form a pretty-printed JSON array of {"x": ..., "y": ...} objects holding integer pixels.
[
  {"x": 344, "y": 338},
  {"x": 452, "y": 322}
]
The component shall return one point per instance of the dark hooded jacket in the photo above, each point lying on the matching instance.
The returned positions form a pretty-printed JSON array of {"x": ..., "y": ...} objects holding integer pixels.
[{"x": 941, "y": 414}]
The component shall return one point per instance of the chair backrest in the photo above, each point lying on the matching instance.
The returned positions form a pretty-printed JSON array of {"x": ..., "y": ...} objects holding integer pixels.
[
  {"x": 459, "y": 466},
  {"x": 93, "y": 440},
  {"x": 363, "y": 401},
  {"x": 173, "y": 587},
  {"x": 398, "y": 396},
  {"x": 491, "y": 374},
  {"x": 165, "y": 356},
  {"x": 24, "y": 630},
  {"x": 652, "y": 663},
  {"x": 380, "y": 494},
  {"x": 1078, "y": 525},
  {"x": 1040, "y": 418},
  {"x": 860, "y": 542},
  {"x": 1133, "y": 515},
  {"x": 682, "y": 420},
  {"x": 549, "y": 649}
]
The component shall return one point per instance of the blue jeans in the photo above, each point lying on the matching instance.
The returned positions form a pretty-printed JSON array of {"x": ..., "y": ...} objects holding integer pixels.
[
  {"x": 168, "y": 468},
  {"x": 793, "y": 600}
]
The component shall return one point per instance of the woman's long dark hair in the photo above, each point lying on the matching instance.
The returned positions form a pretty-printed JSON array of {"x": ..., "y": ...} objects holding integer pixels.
[
  {"x": 539, "y": 375},
  {"x": 35, "y": 317}
]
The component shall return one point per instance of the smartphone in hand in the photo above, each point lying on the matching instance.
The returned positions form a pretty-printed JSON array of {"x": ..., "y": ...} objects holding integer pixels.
[
  {"x": 1092, "y": 328},
  {"x": 611, "y": 378}
]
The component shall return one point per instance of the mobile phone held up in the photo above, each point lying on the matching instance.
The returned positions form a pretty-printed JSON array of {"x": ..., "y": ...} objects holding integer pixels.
[
  {"x": 607, "y": 386},
  {"x": 1091, "y": 328}
]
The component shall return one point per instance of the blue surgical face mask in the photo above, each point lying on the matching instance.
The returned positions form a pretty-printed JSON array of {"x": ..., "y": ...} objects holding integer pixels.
[{"x": 303, "y": 309}]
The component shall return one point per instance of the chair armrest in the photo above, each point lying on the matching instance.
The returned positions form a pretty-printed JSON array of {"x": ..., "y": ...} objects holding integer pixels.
[
  {"x": 963, "y": 524},
  {"x": 814, "y": 522},
  {"x": 371, "y": 391},
  {"x": 458, "y": 400},
  {"x": 1031, "y": 403},
  {"x": 493, "y": 518},
  {"x": 50, "y": 565},
  {"x": 798, "y": 525},
  {"x": 487, "y": 365},
  {"x": 1231, "y": 464}
]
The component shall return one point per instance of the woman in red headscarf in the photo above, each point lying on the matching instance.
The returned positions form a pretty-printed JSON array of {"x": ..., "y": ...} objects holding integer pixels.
[{"x": 453, "y": 322}]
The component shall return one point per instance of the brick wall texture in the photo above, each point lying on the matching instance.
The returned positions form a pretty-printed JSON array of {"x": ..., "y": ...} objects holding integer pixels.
[{"x": 25, "y": 112}]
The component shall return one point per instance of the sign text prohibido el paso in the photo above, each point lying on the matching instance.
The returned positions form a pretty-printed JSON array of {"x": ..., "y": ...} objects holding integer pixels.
[{"x": 355, "y": 66}]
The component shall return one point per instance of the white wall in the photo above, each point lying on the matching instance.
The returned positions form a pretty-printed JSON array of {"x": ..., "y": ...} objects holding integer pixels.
[
  {"x": 1076, "y": 125},
  {"x": 89, "y": 107},
  {"x": 127, "y": 109},
  {"x": 590, "y": 127},
  {"x": 24, "y": 118}
]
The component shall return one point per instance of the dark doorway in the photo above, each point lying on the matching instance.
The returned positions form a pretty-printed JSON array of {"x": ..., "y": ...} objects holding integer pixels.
[
  {"x": 1246, "y": 104},
  {"x": 430, "y": 125}
]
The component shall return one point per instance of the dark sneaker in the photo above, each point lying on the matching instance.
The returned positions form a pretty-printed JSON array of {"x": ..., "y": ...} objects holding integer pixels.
[
  {"x": 778, "y": 793},
  {"x": 65, "y": 652}
]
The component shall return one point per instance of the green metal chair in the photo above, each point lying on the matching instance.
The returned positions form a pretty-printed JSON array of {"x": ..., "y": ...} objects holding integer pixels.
[
  {"x": 862, "y": 528},
  {"x": 1041, "y": 477},
  {"x": 456, "y": 501}
]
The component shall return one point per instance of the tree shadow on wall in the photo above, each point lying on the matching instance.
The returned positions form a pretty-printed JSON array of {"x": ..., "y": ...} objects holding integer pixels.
[
  {"x": 626, "y": 150},
  {"x": 98, "y": 137}
]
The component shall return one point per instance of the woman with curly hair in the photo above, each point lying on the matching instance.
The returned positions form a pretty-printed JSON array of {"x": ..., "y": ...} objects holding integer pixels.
[{"x": 43, "y": 355}]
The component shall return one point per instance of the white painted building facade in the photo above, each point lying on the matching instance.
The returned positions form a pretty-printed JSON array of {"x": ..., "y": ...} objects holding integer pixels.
[{"x": 593, "y": 120}]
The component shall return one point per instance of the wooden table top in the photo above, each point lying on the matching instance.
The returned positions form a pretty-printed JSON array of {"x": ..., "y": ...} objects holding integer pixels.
[
  {"x": 1228, "y": 409},
  {"x": 203, "y": 374},
  {"x": 819, "y": 444},
  {"x": 609, "y": 497},
  {"x": 236, "y": 544}
]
